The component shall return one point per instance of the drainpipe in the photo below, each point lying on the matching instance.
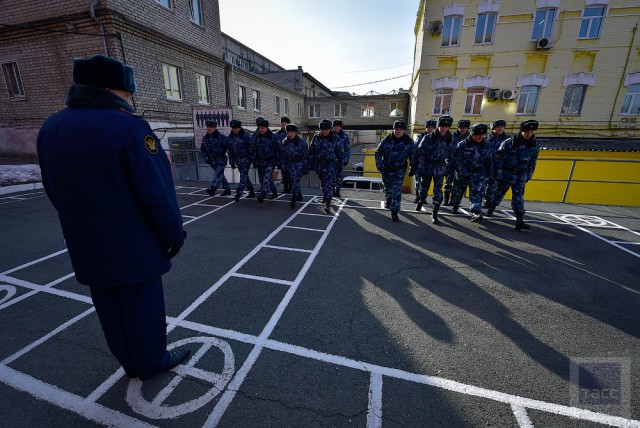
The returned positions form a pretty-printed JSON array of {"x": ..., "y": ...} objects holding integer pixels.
[
  {"x": 624, "y": 74},
  {"x": 92, "y": 10}
]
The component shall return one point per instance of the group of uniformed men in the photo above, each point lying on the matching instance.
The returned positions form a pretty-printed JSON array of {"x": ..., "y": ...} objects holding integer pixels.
[
  {"x": 328, "y": 153},
  {"x": 489, "y": 163}
]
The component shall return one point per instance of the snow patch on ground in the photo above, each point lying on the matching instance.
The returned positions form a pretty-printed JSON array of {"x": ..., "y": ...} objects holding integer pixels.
[{"x": 11, "y": 175}]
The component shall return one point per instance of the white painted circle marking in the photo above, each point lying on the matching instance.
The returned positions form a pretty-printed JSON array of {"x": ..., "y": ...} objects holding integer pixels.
[
  {"x": 155, "y": 409},
  {"x": 11, "y": 291}
]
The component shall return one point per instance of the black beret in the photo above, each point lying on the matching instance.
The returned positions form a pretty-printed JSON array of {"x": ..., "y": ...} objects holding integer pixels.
[
  {"x": 261, "y": 121},
  {"x": 325, "y": 124},
  {"x": 235, "y": 124},
  {"x": 400, "y": 124},
  {"x": 337, "y": 122},
  {"x": 431, "y": 123},
  {"x": 285, "y": 119},
  {"x": 104, "y": 72},
  {"x": 464, "y": 123},
  {"x": 212, "y": 123},
  {"x": 479, "y": 129},
  {"x": 445, "y": 121},
  {"x": 529, "y": 125},
  {"x": 499, "y": 122}
]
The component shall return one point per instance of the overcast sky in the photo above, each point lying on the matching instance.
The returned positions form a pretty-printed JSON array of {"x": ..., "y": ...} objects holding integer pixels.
[{"x": 339, "y": 42}]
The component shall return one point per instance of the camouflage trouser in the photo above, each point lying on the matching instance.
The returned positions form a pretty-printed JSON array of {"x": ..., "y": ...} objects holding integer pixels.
[
  {"x": 327, "y": 174},
  {"x": 286, "y": 175},
  {"x": 517, "y": 195},
  {"x": 339, "y": 177},
  {"x": 475, "y": 182},
  {"x": 419, "y": 185},
  {"x": 218, "y": 175},
  {"x": 295, "y": 174},
  {"x": 490, "y": 189},
  {"x": 245, "y": 181},
  {"x": 437, "y": 187},
  {"x": 393, "y": 187},
  {"x": 449, "y": 180},
  {"x": 265, "y": 173}
]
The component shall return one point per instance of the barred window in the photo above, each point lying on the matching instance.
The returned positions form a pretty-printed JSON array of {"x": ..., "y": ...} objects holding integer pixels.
[
  {"x": 573, "y": 99},
  {"x": 14, "y": 82}
]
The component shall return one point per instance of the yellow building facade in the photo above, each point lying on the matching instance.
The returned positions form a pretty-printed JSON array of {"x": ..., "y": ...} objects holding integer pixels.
[{"x": 572, "y": 65}]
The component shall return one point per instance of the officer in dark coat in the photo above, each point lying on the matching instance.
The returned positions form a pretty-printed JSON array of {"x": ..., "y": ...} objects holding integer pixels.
[
  {"x": 214, "y": 150},
  {"x": 265, "y": 152},
  {"x": 494, "y": 139},
  {"x": 282, "y": 134},
  {"x": 326, "y": 157},
  {"x": 429, "y": 127},
  {"x": 108, "y": 177},
  {"x": 515, "y": 163},
  {"x": 295, "y": 159},
  {"x": 346, "y": 150},
  {"x": 460, "y": 134},
  {"x": 240, "y": 157}
]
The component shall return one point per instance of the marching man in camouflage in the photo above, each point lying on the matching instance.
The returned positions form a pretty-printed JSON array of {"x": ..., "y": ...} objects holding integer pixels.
[
  {"x": 265, "y": 152},
  {"x": 460, "y": 134},
  {"x": 429, "y": 164},
  {"x": 282, "y": 134},
  {"x": 495, "y": 138},
  {"x": 515, "y": 163},
  {"x": 346, "y": 149},
  {"x": 326, "y": 157},
  {"x": 214, "y": 150},
  {"x": 429, "y": 127},
  {"x": 240, "y": 157},
  {"x": 392, "y": 156},
  {"x": 295, "y": 159},
  {"x": 473, "y": 163}
]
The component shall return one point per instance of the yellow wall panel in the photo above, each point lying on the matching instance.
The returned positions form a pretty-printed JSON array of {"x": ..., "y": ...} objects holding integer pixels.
[
  {"x": 583, "y": 61},
  {"x": 479, "y": 65},
  {"x": 536, "y": 63},
  {"x": 624, "y": 11},
  {"x": 604, "y": 194},
  {"x": 516, "y": 18},
  {"x": 447, "y": 67},
  {"x": 607, "y": 171}
]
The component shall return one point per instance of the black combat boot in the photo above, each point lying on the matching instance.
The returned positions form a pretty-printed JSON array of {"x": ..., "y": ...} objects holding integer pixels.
[
  {"x": 237, "y": 197},
  {"x": 327, "y": 205},
  {"x": 447, "y": 199},
  {"x": 226, "y": 192},
  {"x": 292, "y": 204},
  {"x": 287, "y": 188},
  {"x": 251, "y": 194},
  {"x": 211, "y": 191},
  {"x": 274, "y": 194},
  {"x": 387, "y": 203},
  {"x": 337, "y": 193},
  {"x": 299, "y": 197},
  {"x": 520, "y": 224},
  {"x": 434, "y": 214},
  {"x": 261, "y": 197},
  {"x": 417, "y": 199},
  {"x": 454, "y": 209},
  {"x": 421, "y": 202},
  {"x": 490, "y": 211},
  {"x": 394, "y": 215}
]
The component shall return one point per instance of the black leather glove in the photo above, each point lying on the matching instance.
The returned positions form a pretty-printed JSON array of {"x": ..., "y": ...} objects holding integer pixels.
[{"x": 172, "y": 252}]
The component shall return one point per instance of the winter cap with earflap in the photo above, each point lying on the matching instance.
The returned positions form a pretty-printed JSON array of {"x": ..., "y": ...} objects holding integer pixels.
[
  {"x": 431, "y": 122},
  {"x": 325, "y": 124},
  {"x": 529, "y": 125},
  {"x": 212, "y": 123},
  {"x": 292, "y": 127},
  {"x": 337, "y": 122},
  {"x": 479, "y": 129},
  {"x": 445, "y": 121},
  {"x": 498, "y": 122},
  {"x": 235, "y": 124},
  {"x": 400, "y": 124},
  {"x": 464, "y": 123},
  {"x": 285, "y": 119},
  {"x": 104, "y": 72},
  {"x": 261, "y": 121}
]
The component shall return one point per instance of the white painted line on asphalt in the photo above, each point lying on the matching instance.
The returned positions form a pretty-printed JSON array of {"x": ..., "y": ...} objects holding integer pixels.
[
  {"x": 35, "y": 291},
  {"x": 31, "y": 263},
  {"x": 68, "y": 401},
  {"x": 625, "y": 242},
  {"x": 46, "y": 337},
  {"x": 305, "y": 228},
  {"x": 374, "y": 414},
  {"x": 521, "y": 416},
  {"x": 626, "y": 250},
  {"x": 44, "y": 289},
  {"x": 314, "y": 214},
  {"x": 276, "y": 247},
  {"x": 262, "y": 278},
  {"x": 188, "y": 216}
]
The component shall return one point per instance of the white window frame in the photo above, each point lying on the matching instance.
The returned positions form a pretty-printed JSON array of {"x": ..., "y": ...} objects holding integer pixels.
[
  {"x": 299, "y": 109},
  {"x": 286, "y": 107},
  {"x": 276, "y": 104},
  {"x": 203, "y": 89},
  {"x": 526, "y": 98},
  {"x": 440, "y": 101},
  {"x": 172, "y": 82},
  {"x": 13, "y": 80},
  {"x": 164, "y": 3},
  {"x": 548, "y": 23},
  {"x": 256, "y": 100},
  {"x": 367, "y": 109},
  {"x": 339, "y": 110},
  {"x": 631, "y": 98},
  {"x": 473, "y": 101},
  {"x": 314, "y": 111},
  {"x": 450, "y": 24},
  {"x": 196, "y": 15},
  {"x": 571, "y": 93},
  {"x": 589, "y": 21},
  {"x": 487, "y": 36},
  {"x": 242, "y": 96}
]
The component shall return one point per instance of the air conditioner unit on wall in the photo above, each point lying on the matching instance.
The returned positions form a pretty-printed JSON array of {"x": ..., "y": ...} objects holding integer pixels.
[
  {"x": 509, "y": 94},
  {"x": 493, "y": 94},
  {"x": 436, "y": 27},
  {"x": 544, "y": 43}
]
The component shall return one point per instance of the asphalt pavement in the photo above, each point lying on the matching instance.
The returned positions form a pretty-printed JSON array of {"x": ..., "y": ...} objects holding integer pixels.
[{"x": 296, "y": 318}]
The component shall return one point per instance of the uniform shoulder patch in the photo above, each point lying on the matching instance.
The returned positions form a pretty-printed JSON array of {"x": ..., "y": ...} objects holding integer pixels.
[{"x": 151, "y": 144}]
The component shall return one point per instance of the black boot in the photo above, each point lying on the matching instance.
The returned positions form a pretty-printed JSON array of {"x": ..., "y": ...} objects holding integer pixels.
[
  {"x": 417, "y": 199},
  {"x": 292, "y": 204},
  {"x": 434, "y": 214},
  {"x": 387, "y": 203},
  {"x": 211, "y": 191},
  {"x": 337, "y": 193},
  {"x": 274, "y": 194},
  {"x": 251, "y": 194},
  {"x": 454, "y": 209},
  {"x": 327, "y": 205},
  {"x": 261, "y": 197},
  {"x": 394, "y": 215},
  {"x": 421, "y": 202},
  {"x": 520, "y": 224},
  {"x": 490, "y": 211},
  {"x": 237, "y": 197},
  {"x": 447, "y": 199},
  {"x": 299, "y": 197},
  {"x": 226, "y": 192}
]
